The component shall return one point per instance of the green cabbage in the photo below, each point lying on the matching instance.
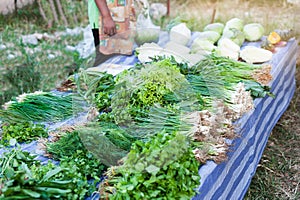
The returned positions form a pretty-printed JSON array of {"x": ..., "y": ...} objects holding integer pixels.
[
  {"x": 253, "y": 32},
  {"x": 217, "y": 27},
  {"x": 202, "y": 45},
  {"x": 235, "y": 35},
  {"x": 180, "y": 34},
  {"x": 210, "y": 36},
  {"x": 252, "y": 54},
  {"x": 228, "y": 48},
  {"x": 235, "y": 23},
  {"x": 178, "y": 48}
]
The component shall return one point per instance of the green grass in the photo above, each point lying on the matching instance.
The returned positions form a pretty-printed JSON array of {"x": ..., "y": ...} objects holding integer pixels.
[{"x": 49, "y": 61}]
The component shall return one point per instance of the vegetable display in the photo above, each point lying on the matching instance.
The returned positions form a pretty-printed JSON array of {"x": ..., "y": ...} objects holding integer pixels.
[{"x": 150, "y": 126}]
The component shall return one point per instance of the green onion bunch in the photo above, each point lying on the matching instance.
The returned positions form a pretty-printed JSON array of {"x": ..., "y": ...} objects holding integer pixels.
[{"x": 41, "y": 107}]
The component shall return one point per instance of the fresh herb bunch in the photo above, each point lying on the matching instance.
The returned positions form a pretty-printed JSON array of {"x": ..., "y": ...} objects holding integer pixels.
[
  {"x": 117, "y": 135},
  {"x": 22, "y": 132},
  {"x": 158, "y": 82},
  {"x": 96, "y": 87},
  {"x": 216, "y": 76},
  {"x": 162, "y": 168},
  {"x": 104, "y": 92},
  {"x": 70, "y": 149},
  {"x": 257, "y": 90},
  {"x": 107, "y": 141},
  {"x": 23, "y": 177},
  {"x": 41, "y": 107}
]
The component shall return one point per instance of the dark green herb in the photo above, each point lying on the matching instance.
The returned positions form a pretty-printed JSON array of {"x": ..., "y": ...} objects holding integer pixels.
[
  {"x": 257, "y": 90},
  {"x": 22, "y": 132},
  {"x": 163, "y": 168},
  {"x": 23, "y": 177},
  {"x": 70, "y": 149}
]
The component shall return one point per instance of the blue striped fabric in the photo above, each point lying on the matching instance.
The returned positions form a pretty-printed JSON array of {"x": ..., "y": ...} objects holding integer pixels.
[{"x": 231, "y": 179}]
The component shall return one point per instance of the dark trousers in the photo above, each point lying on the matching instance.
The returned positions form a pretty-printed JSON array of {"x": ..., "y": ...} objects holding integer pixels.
[{"x": 100, "y": 57}]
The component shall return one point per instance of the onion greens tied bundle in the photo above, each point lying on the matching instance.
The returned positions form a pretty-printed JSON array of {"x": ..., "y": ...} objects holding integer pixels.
[{"x": 41, "y": 107}]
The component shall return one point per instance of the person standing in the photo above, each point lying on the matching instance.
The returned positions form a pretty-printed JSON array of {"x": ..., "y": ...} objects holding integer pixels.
[{"x": 95, "y": 8}]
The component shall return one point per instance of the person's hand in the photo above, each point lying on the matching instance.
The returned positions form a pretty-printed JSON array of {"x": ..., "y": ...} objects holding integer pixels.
[{"x": 109, "y": 26}]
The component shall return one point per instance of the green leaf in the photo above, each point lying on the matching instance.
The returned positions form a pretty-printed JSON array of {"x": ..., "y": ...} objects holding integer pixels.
[
  {"x": 152, "y": 169},
  {"x": 51, "y": 173},
  {"x": 31, "y": 193},
  {"x": 54, "y": 190},
  {"x": 9, "y": 172}
]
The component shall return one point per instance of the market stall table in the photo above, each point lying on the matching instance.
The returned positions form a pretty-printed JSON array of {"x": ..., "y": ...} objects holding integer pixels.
[{"x": 231, "y": 179}]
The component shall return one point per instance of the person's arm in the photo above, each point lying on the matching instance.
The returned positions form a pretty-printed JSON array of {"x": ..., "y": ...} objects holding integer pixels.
[{"x": 108, "y": 23}]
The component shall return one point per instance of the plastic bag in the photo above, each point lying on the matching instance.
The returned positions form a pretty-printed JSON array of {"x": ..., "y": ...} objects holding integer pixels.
[{"x": 146, "y": 31}]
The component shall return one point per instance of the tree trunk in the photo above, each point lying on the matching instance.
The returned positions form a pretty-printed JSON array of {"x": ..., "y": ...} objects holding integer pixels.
[
  {"x": 53, "y": 9},
  {"x": 61, "y": 12},
  {"x": 43, "y": 14}
]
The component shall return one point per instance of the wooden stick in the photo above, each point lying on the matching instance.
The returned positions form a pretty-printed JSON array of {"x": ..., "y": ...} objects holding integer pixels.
[
  {"x": 214, "y": 13},
  {"x": 16, "y": 6},
  {"x": 168, "y": 7}
]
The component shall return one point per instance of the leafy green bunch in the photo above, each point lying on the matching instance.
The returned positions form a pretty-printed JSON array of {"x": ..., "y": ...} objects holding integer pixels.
[
  {"x": 22, "y": 132},
  {"x": 162, "y": 168},
  {"x": 41, "y": 107},
  {"x": 136, "y": 91},
  {"x": 69, "y": 149},
  {"x": 22, "y": 176},
  {"x": 218, "y": 76}
]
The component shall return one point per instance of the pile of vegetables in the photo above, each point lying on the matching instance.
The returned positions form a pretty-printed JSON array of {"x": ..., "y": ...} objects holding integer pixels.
[
  {"x": 152, "y": 125},
  {"x": 162, "y": 167},
  {"x": 225, "y": 40},
  {"x": 276, "y": 38},
  {"x": 22, "y": 176}
]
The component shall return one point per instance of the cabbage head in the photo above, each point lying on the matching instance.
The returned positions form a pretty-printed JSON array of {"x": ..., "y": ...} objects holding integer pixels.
[
  {"x": 235, "y": 35},
  {"x": 211, "y": 36},
  {"x": 202, "y": 45},
  {"x": 235, "y": 23},
  {"x": 217, "y": 27},
  {"x": 253, "y": 32},
  {"x": 180, "y": 34}
]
